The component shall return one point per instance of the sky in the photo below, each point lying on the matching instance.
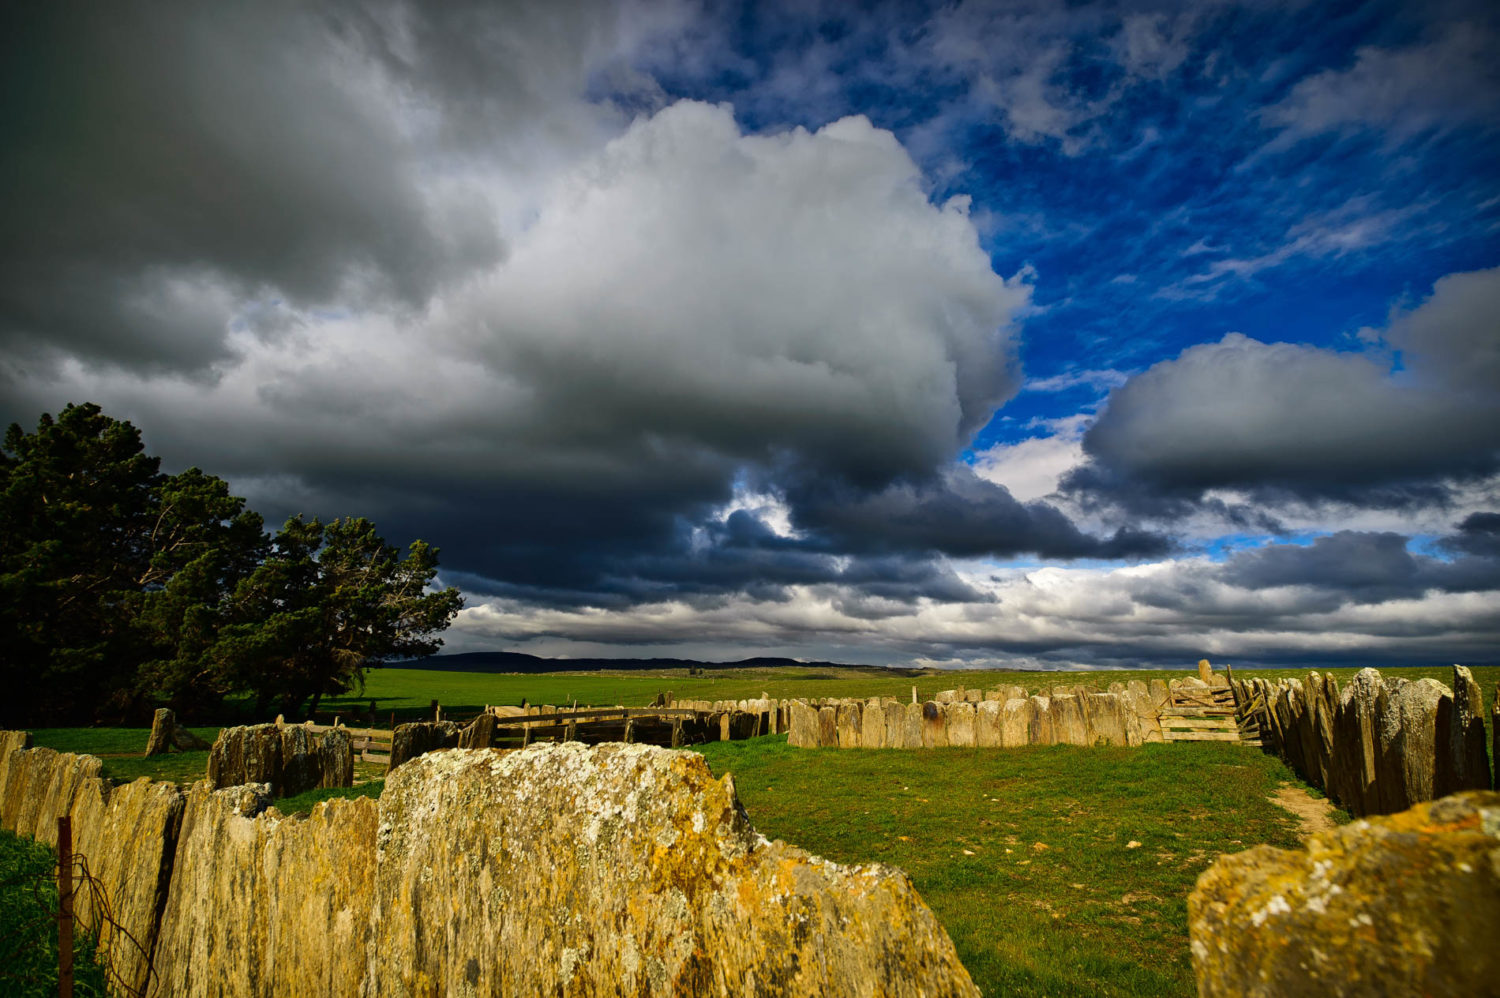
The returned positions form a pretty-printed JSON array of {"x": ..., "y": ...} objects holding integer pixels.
[{"x": 1021, "y": 335}]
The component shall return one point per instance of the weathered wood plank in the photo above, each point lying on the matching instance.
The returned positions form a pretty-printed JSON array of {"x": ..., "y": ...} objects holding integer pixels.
[
  {"x": 1200, "y": 736},
  {"x": 1204, "y": 723}
]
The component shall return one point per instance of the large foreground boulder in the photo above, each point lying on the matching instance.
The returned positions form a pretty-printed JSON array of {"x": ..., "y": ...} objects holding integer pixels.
[
  {"x": 1407, "y": 904},
  {"x": 625, "y": 869}
]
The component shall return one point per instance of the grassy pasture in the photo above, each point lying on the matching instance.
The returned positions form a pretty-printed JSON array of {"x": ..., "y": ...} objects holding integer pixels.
[{"x": 1057, "y": 870}]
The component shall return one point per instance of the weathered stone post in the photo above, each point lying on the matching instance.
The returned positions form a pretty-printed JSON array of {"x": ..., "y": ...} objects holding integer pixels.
[{"x": 1205, "y": 671}]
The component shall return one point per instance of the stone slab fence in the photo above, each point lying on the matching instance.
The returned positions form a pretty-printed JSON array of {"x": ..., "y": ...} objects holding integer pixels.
[
  {"x": 1376, "y": 745},
  {"x": 1128, "y": 714},
  {"x": 552, "y": 870}
]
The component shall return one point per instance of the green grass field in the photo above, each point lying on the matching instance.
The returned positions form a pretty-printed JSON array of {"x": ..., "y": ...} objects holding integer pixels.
[{"x": 1056, "y": 870}]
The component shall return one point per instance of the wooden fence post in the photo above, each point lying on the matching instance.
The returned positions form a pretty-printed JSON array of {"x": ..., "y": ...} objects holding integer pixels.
[{"x": 65, "y": 906}]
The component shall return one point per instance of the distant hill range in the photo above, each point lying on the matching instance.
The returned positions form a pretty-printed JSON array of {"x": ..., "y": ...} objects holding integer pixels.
[{"x": 509, "y": 661}]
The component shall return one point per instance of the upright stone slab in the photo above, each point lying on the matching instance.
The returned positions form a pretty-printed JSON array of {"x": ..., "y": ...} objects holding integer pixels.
[
  {"x": 160, "y": 739},
  {"x": 1068, "y": 726},
  {"x": 1466, "y": 765},
  {"x": 1409, "y": 743},
  {"x": 934, "y": 726},
  {"x": 802, "y": 731},
  {"x": 828, "y": 727},
  {"x": 872, "y": 724},
  {"x": 30, "y": 772},
  {"x": 262, "y": 905},
  {"x": 1040, "y": 719},
  {"x": 914, "y": 725},
  {"x": 626, "y": 869},
  {"x": 1110, "y": 720},
  {"x": 1016, "y": 718},
  {"x": 1205, "y": 672},
  {"x": 848, "y": 725},
  {"x": 960, "y": 723},
  {"x": 1354, "y": 733},
  {"x": 247, "y": 754},
  {"x": 895, "y": 724},
  {"x": 478, "y": 733},
  {"x": 69, "y": 774},
  {"x": 301, "y": 768},
  {"x": 987, "y": 724},
  {"x": 128, "y": 835},
  {"x": 336, "y": 759},
  {"x": 409, "y": 741},
  {"x": 1400, "y": 905}
]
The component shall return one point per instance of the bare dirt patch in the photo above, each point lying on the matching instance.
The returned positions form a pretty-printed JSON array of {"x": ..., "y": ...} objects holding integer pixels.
[{"x": 1314, "y": 814}]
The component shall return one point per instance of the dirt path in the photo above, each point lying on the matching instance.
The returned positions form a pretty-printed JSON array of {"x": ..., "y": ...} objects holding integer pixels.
[{"x": 1314, "y": 814}]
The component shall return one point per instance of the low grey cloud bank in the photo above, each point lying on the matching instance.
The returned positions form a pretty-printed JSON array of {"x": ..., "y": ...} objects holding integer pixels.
[{"x": 1394, "y": 424}]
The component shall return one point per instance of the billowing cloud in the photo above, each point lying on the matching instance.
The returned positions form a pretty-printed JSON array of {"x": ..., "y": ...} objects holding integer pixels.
[
  {"x": 1314, "y": 422},
  {"x": 686, "y": 303}
]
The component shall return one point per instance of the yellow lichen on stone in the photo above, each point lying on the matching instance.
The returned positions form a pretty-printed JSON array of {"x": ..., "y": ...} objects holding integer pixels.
[{"x": 1404, "y": 904}]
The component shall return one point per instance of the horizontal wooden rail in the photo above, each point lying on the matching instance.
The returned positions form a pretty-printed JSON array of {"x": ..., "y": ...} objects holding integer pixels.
[{"x": 616, "y": 713}]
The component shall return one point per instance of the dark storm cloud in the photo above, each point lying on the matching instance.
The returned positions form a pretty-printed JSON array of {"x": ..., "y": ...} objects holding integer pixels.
[
  {"x": 1311, "y": 423},
  {"x": 166, "y": 162},
  {"x": 1364, "y": 567},
  {"x": 959, "y": 514}
]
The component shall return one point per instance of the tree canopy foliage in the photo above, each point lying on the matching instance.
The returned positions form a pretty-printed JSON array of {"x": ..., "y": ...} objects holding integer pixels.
[{"x": 122, "y": 587}]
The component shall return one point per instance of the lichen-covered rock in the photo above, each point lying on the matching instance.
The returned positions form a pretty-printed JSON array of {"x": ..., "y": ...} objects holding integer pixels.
[
  {"x": 1465, "y": 765},
  {"x": 1407, "y": 741},
  {"x": 264, "y": 905},
  {"x": 160, "y": 739},
  {"x": 411, "y": 740},
  {"x": 336, "y": 758},
  {"x": 1110, "y": 719},
  {"x": 960, "y": 723},
  {"x": 1015, "y": 722},
  {"x": 828, "y": 727},
  {"x": 127, "y": 835},
  {"x": 1040, "y": 722},
  {"x": 246, "y": 754},
  {"x": 301, "y": 767},
  {"x": 1402, "y": 905},
  {"x": 1068, "y": 727},
  {"x": 1354, "y": 728},
  {"x": 872, "y": 724},
  {"x": 625, "y": 869},
  {"x": 987, "y": 723},
  {"x": 50, "y": 800},
  {"x": 895, "y": 724},
  {"x": 848, "y": 725}
]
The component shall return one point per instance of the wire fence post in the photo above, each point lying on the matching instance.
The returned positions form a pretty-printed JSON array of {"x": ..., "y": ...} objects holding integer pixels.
[{"x": 65, "y": 907}]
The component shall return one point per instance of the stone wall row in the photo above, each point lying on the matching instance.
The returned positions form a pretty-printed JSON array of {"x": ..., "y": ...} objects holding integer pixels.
[
  {"x": 556, "y": 869},
  {"x": 1066, "y": 719},
  {"x": 1376, "y": 745}
]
